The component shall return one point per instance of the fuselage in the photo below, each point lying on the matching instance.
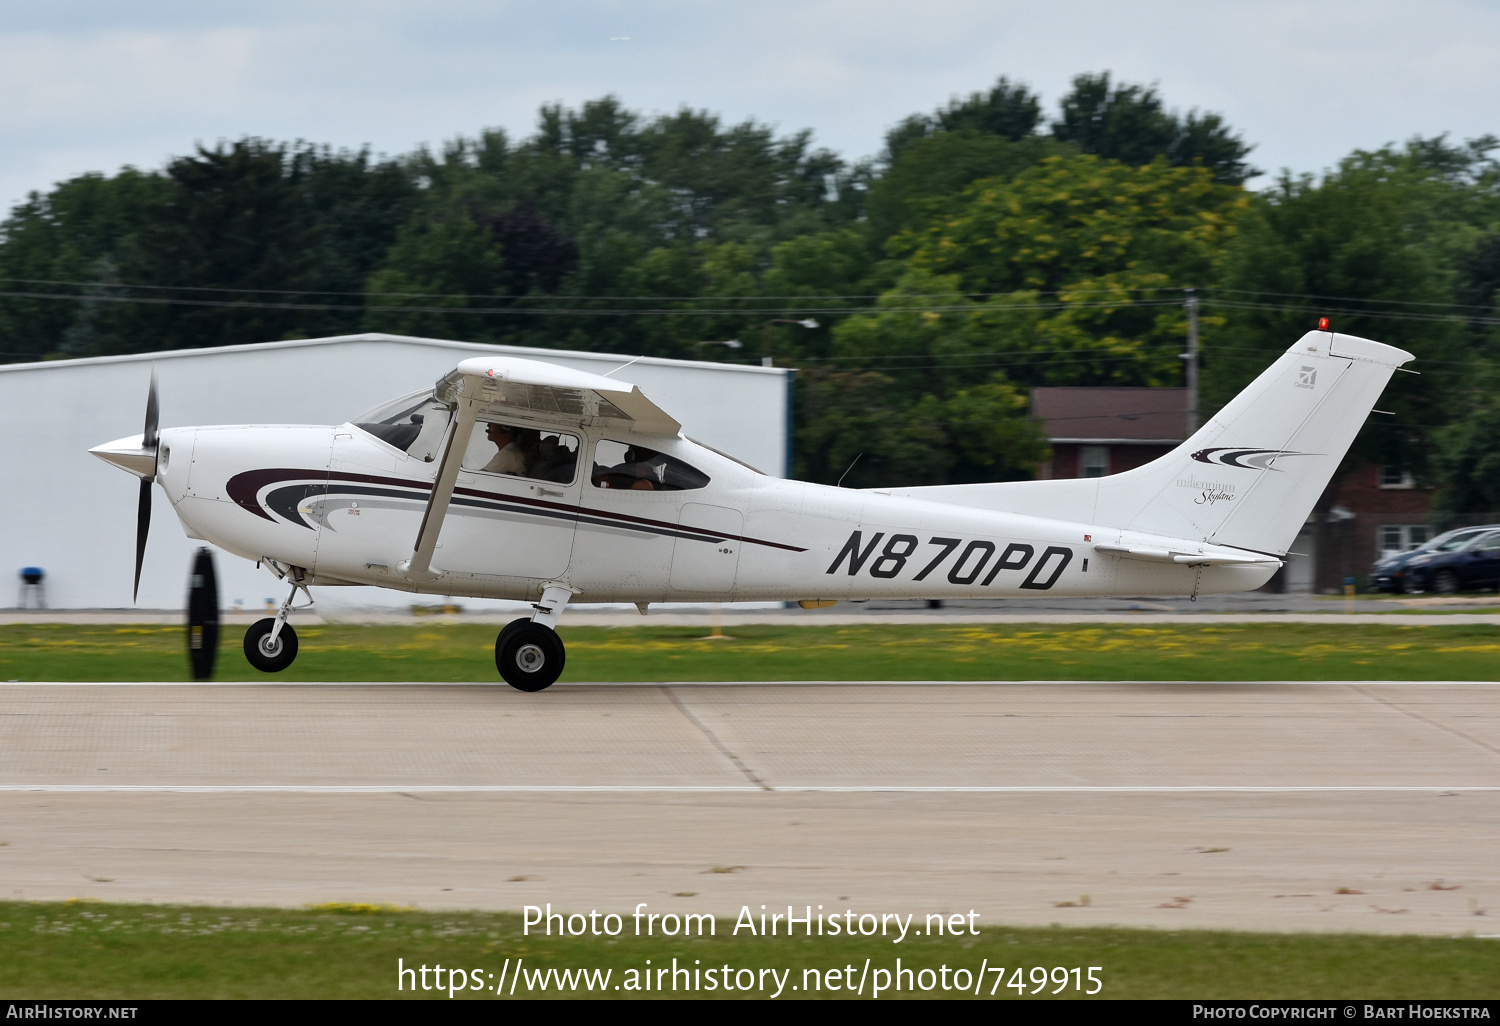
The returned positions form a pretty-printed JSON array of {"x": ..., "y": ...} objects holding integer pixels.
[{"x": 346, "y": 506}]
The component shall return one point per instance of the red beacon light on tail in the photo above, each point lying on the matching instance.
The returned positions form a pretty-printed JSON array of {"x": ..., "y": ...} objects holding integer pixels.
[{"x": 1323, "y": 324}]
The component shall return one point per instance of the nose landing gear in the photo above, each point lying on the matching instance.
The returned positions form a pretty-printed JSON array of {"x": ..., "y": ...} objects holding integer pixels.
[
  {"x": 271, "y": 644},
  {"x": 528, "y": 652}
]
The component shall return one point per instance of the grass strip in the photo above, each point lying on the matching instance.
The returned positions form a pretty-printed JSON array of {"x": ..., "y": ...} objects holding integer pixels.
[
  {"x": 459, "y": 651},
  {"x": 76, "y": 950}
]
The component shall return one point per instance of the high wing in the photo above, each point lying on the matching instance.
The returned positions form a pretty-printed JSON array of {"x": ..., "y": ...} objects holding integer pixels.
[
  {"x": 543, "y": 391},
  {"x": 505, "y": 387}
]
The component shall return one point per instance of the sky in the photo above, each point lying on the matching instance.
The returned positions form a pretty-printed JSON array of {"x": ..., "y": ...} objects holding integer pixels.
[{"x": 91, "y": 85}]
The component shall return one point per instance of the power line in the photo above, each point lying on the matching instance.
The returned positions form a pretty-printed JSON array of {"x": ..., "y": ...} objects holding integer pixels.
[
  {"x": 745, "y": 296},
  {"x": 550, "y": 311},
  {"x": 1341, "y": 299},
  {"x": 464, "y": 295},
  {"x": 1387, "y": 315}
]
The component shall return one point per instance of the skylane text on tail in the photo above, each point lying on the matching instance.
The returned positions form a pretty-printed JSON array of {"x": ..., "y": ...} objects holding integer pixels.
[{"x": 519, "y": 479}]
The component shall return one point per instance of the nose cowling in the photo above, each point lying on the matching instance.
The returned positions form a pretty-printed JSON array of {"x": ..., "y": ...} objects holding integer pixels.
[{"x": 129, "y": 454}]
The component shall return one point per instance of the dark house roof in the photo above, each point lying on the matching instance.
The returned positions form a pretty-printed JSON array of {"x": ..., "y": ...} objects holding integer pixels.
[{"x": 1111, "y": 415}]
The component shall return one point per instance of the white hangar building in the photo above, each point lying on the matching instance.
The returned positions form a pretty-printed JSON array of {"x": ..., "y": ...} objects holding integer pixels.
[{"x": 73, "y": 515}]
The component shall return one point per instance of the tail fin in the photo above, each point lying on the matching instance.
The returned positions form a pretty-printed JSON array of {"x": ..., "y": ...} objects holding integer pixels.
[{"x": 1249, "y": 477}]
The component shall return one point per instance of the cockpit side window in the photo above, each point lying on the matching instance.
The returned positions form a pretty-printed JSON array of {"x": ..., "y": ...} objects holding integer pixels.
[
  {"x": 414, "y": 424},
  {"x": 634, "y": 467},
  {"x": 535, "y": 453}
]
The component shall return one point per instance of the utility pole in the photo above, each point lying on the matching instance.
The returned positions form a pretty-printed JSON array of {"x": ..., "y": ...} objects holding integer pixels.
[{"x": 1191, "y": 356}]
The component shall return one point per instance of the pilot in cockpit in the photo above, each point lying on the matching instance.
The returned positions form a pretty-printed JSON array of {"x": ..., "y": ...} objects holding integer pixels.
[
  {"x": 647, "y": 466},
  {"x": 511, "y": 458}
]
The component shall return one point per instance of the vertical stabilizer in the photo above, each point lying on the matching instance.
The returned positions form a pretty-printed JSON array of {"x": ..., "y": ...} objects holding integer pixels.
[{"x": 1249, "y": 477}]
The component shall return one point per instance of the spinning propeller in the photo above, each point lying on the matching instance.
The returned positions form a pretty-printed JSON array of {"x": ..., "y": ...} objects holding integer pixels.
[
  {"x": 143, "y": 505},
  {"x": 139, "y": 456}
]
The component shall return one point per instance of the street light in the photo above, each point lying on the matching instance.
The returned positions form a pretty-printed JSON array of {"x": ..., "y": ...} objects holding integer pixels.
[
  {"x": 806, "y": 322},
  {"x": 765, "y": 327}
]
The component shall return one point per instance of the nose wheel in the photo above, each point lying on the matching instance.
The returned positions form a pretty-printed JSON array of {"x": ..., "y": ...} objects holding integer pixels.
[
  {"x": 268, "y": 650},
  {"x": 529, "y": 655}
]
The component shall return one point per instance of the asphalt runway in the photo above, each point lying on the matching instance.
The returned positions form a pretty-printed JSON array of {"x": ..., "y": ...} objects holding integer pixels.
[{"x": 1282, "y": 806}]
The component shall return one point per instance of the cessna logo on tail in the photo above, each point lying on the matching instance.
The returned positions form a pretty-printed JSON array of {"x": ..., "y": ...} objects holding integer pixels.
[{"x": 1245, "y": 459}]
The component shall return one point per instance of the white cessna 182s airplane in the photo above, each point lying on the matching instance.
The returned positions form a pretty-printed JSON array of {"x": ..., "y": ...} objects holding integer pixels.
[{"x": 518, "y": 479}]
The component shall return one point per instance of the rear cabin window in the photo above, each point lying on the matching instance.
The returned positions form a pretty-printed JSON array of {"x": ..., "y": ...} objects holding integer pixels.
[
  {"x": 540, "y": 455},
  {"x": 634, "y": 467}
]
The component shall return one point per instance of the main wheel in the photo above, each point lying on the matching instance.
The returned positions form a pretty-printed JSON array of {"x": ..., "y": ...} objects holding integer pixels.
[
  {"x": 266, "y": 655},
  {"x": 530, "y": 656},
  {"x": 1445, "y": 583}
]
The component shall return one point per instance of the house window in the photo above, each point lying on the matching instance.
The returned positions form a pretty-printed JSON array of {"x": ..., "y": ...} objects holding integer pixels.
[
  {"x": 1402, "y": 537},
  {"x": 1395, "y": 477},
  {"x": 1093, "y": 460}
]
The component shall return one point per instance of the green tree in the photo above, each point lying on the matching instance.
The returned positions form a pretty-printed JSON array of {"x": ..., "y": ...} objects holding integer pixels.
[
  {"x": 1128, "y": 123},
  {"x": 1382, "y": 238},
  {"x": 1009, "y": 110},
  {"x": 648, "y": 203},
  {"x": 1466, "y": 461},
  {"x": 926, "y": 173},
  {"x": 70, "y": 234},
  {"x": 436, "y": 270},
  {"x": 1069, "y": 272}
]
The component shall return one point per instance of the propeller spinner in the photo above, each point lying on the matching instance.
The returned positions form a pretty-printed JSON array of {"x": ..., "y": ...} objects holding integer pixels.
[{"x": 138, "y": 456}]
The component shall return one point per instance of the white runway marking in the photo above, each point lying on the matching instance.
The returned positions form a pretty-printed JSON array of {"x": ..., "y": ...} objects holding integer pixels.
[{"x": 651, "y": 789}]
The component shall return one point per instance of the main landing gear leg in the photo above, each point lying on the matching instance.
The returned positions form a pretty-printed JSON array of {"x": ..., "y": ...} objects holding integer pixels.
[
  {"x": 271, "y": 644},
  {"x": 528, "y": 651}
]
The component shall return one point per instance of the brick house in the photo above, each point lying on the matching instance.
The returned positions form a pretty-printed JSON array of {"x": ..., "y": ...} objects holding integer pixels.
[
  {"x": 1100, "y": 431},
  {"x": 1369, "y": 510}
]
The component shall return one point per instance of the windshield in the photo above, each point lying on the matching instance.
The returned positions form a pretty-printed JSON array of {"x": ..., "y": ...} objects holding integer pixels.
[
  {"x": 1455, "y": 540},
  {"x": 1483, "y": 540},
  {"x": 414, "y": 423}
]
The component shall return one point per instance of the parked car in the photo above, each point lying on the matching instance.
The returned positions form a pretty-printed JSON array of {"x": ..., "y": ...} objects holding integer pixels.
[
  {"x": 1390, "y": 572},
  {"x": 1474, "y": 564}
]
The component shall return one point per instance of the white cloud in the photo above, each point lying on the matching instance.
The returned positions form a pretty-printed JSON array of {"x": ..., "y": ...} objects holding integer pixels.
[{"x": 93, "y": 85}]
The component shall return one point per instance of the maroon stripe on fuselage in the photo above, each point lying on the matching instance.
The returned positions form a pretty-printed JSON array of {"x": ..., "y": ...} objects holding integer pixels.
[{"x": 245, "y": 489}]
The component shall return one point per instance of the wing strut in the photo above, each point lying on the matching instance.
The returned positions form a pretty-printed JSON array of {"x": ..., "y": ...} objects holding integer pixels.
[{"x": 454, "y": 446}]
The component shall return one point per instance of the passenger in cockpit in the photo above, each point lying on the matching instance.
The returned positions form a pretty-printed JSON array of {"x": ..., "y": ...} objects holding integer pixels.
[{"x": 554, "y": 461}]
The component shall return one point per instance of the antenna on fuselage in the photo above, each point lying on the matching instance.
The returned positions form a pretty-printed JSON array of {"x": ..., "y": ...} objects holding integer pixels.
[
  {"x": 624, "y": 365},
  {"x": 847, "y": 469}
]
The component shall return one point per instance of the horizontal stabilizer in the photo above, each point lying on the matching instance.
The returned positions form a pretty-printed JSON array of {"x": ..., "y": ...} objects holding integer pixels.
[{"x": 1158, "y": 555}]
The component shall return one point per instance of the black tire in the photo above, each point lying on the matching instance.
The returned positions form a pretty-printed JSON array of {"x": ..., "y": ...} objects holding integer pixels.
[
  {"x": 529, "y": 656},
  {"x": 261, "y": 655},
  {"x": 1445, "y": 582},
  {"x": 510, "y": 628}
]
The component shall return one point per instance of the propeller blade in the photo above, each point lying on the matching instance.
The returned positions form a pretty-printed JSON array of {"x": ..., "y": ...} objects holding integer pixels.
[
  {"x": 142, "y": 526},
  {"x": 148, "y": 440}
]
